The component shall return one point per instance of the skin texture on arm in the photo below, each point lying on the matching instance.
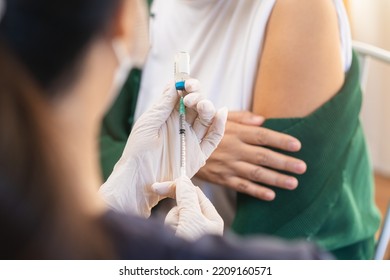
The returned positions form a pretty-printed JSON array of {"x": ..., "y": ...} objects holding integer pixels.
[{"x": 300, "y": 68}]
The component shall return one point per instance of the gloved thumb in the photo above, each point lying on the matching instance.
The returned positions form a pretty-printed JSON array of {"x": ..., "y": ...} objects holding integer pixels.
[
  {"x": 165, "y": 189},
  {"x": 172, "y": 218},
  {"x": 186, "y": 195},
  {"x": 198, "y": 216},
  {"x": 208, "y": 209},
  {"x": 162, "y": 109}
]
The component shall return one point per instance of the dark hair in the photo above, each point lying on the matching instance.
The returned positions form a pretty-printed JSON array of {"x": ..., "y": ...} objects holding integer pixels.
[
  {"x": 48, "y": 36},
  {"x": 40, "y": 44}
]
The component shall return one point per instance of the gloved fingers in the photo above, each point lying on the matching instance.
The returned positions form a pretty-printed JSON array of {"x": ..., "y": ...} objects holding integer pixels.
[
  {"x": 172, "y": 218},
  {"x": 191, "y": 101},
  {"x": 215, "y": 132},
  {"x": 192, "y": 85},
  {"x": 208, "y": 208},
  {"x": 206, "y": 113},
  {"x": 192, "y": 98},
  {"x": 161, "y": 110},
  {"x": 165, "y": 189},
  {"x": 186, "y": 195}
]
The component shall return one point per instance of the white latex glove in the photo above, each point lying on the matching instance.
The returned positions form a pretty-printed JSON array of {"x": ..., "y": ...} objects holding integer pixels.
[
  {"x": 194, "y": 215},
  {"x": 152, "y": 152}
]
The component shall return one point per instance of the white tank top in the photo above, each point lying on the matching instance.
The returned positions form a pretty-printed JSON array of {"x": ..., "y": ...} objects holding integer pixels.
[{"x": 224, "y": 39}]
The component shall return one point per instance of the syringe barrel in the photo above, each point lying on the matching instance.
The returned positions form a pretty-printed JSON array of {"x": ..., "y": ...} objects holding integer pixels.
[{"x": 182, "y": 69}]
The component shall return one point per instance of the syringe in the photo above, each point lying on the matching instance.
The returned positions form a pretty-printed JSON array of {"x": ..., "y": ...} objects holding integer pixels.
[{"x": 182, "y": 72}]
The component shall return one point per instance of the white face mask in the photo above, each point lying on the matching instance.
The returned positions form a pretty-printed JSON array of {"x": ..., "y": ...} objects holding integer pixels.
[
  {"x": 137, "y": 55},
  {"x": 140, "y": 45},
  {"x": 125, "y": 64}
]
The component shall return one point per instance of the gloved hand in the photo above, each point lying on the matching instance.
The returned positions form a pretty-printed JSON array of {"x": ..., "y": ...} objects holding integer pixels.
[
  {"x": 152, "y": 152},
  {"x": 194, "y": 214}
]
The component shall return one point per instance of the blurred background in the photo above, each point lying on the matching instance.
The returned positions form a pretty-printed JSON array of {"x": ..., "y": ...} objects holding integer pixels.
[{"x": 370, "y": 23}]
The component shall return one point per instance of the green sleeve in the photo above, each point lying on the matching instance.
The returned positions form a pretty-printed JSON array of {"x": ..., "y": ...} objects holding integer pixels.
[
  {"x": 117, "y": 123},
  {"x": 334, "y": 204}
]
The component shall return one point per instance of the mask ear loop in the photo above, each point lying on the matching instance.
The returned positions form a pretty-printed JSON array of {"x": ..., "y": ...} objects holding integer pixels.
[
  {"x": 123, "y": 58},
  {"x": 121, "y": 52},
  {"x": 122, "y": 72}
]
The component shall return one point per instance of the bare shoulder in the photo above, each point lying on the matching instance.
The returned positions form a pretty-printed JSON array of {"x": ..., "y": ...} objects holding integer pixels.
[
  {"x": 302, "y": 17},
  {"x": 300, "y": 67}
]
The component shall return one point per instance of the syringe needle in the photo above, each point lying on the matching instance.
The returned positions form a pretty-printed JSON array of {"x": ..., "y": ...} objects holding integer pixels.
[
  {"x": 182, "y": 72},
  {"x": 182, "y": 132}
]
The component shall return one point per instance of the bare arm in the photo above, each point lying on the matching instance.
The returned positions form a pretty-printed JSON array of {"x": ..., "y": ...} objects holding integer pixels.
[{"x": 300, "y": 67}]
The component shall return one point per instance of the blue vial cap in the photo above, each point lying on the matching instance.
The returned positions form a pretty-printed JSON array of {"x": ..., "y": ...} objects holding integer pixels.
[{"x": 180, "y": 85}]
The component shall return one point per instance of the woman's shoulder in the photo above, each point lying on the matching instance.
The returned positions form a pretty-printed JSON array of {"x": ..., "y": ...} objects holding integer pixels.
[
  {"x": 137, "y": 238},
  {"x": 301, "y": 63}
]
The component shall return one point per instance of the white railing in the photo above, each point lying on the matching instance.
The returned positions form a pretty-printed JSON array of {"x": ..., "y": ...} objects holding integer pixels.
[{"x": 367, "y": 52}]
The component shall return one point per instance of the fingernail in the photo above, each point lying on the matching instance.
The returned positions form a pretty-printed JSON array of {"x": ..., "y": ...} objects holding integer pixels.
[
  {"x": 206, "y": 111},
  {"x": 191, "y": 85},
  {"x": 257, "y": 119},
  {"x": 300, "y": 167},
  {"x": 291, "y": 183},
  {"x": 189, "y": 100},
  {"x": 223, "y": 112},
  {"x": 269, "y": 195},
  {"x": 294, "y": 146},
  {"x": 162, "y": 188}
]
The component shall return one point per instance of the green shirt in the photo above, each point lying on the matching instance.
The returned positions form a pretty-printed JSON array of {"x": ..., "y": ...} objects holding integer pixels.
[
  {"x": 334, "y": 203},
  {"x": 116, "y": 125}
]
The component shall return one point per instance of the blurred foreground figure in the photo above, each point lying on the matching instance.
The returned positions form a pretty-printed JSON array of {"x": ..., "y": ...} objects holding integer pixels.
[{"x": 61, "y": 64}]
